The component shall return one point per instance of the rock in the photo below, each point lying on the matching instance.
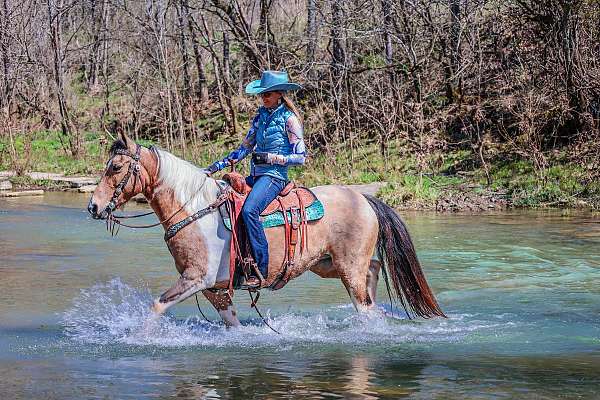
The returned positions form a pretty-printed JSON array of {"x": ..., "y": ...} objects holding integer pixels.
[
  {"x": 78, "y": 181},
  {"x": 44, "y": 175},
  {"x": 22, "y": 193},
  {"x": 87, "y": 189},
  {"x": 5, "y": 185},
  {"x": 71, "y": 181},
  {"x": 7, "y": 174}
]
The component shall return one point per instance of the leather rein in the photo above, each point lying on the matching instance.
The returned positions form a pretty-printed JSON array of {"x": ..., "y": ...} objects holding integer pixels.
[
  {"x": 115, "y": 220},
  {"x": 134, "y": 169}
]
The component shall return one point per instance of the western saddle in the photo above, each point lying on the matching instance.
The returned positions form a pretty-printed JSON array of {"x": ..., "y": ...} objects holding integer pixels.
[{"x": 292, "y": 202}]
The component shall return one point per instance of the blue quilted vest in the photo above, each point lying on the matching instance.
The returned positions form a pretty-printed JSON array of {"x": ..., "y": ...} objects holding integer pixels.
[{"x": 271, "y": 137}]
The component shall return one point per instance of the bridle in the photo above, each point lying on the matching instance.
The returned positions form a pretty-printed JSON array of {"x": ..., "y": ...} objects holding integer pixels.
[
  {"x": 134, "y": 169},
  {"x": 113, "y": 222}
]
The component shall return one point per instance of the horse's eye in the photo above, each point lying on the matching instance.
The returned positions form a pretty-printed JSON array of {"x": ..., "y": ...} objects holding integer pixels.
[{"x": 116, "y": 167}]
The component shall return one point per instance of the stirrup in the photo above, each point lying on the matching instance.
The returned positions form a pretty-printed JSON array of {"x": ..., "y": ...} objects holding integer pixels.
[
  {"x": 259, "y": 276},
  {"x": 253, "y": 282},
  {"x": 252, "y": 271}
]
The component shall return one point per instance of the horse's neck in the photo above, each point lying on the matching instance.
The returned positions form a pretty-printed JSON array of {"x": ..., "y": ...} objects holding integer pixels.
[
  {"x": 189, "y": 189},
  {"x": 167, "y": 200}
]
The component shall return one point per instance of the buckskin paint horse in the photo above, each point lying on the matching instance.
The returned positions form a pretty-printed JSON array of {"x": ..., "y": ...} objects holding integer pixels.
[{"x": 356, "y": 237}]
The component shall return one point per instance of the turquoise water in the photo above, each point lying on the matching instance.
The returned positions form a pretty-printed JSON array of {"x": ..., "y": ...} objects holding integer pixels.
[{"x": 520, "y": 289}]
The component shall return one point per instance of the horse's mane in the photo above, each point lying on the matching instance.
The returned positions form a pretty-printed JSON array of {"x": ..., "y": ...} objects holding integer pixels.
[{"x": 186, "y": 180}]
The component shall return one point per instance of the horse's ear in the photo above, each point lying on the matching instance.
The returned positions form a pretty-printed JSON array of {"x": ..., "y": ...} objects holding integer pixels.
[{"x": 130, "y": 143}]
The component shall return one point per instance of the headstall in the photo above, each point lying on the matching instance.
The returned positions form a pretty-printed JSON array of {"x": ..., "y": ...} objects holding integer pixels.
[
  {"x": 134, "y": 169},
  {"x": 113, "y": 221}
]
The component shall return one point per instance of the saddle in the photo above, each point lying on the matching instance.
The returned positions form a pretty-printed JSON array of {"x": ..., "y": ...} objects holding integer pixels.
[{"x": 292, "y": 202}]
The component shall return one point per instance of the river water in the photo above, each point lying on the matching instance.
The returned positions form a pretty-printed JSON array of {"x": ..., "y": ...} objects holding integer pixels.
[{"x": 521, "y": 289}]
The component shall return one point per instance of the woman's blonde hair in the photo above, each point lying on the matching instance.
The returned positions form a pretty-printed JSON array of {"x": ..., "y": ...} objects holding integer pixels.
[{"x": 291, "y": 106}]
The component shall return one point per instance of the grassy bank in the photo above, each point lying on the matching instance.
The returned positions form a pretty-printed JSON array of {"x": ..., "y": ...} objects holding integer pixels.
[
  {"x": 43, "y": 151},
  {"x": 450, "y": 180}
]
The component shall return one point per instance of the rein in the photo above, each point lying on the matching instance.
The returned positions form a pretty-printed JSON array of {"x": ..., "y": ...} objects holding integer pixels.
[
  {"x": 175, "y": 228},
  {"x": 116, "y": 218},
  {"x": 134, "y": 169},
  {"x": 113, "y": 221}
]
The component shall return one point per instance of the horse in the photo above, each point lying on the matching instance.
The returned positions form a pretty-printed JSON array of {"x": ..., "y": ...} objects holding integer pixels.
[{"x": 358, "y": 236}]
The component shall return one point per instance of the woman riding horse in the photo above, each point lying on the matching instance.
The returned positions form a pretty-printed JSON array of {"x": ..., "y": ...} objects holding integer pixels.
[
  {"x": 358, "y": 235},
  {"x": 275, "y": 140}
]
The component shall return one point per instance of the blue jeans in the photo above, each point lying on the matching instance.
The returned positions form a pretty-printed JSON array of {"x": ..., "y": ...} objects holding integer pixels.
[{"x": 264, "y": 190}]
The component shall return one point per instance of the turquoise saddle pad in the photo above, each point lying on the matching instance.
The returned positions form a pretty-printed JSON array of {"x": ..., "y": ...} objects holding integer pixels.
[{"x": 313, "y": 212}]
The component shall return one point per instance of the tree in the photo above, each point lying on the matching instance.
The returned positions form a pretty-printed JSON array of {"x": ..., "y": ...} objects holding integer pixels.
[{"x": 56, "y": 14}]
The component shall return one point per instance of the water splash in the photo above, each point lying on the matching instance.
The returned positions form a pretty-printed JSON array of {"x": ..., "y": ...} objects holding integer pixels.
[{"x": 116, "y": 313}]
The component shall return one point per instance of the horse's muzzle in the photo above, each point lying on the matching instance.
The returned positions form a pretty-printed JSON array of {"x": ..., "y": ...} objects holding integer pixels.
[{"x": 93, "y": 210}]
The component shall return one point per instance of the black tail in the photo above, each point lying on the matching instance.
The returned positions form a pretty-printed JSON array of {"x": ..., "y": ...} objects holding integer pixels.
[{"x": 398, "y": 256}]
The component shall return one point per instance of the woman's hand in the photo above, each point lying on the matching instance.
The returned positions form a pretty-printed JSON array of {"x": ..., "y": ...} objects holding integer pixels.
[
  {"x": 275, "y": 159},
  {"x": 268, "y": 158},
  {"x": 211, "y": 169}
]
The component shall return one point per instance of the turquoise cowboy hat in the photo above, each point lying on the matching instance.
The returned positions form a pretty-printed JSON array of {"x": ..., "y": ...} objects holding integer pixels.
[{"x": 271, "y": 81}]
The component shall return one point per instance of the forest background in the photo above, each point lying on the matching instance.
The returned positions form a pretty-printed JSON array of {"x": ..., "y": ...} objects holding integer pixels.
[{"x": 445, "y": 101}]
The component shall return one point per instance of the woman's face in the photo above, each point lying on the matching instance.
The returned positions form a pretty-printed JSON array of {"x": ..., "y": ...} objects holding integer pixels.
[{"x": 270, "y": 99}]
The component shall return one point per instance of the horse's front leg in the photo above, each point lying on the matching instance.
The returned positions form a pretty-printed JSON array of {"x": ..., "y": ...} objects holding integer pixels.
[
  {"x": 186, "y": 285},
  {"x": 221, "y": 301}
]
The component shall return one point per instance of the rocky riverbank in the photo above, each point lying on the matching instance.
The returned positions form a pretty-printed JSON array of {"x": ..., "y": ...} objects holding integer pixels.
[{"x": 35, "y": 183}]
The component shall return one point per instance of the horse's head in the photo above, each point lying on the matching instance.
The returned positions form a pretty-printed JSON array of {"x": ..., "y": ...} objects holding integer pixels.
[{"x": 127, "y": 174}]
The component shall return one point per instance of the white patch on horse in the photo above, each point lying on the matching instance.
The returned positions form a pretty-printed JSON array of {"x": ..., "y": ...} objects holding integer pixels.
[
  {"x": 190, "y": 182},
  {"x": 229, "y": 316},
  {"x": 160, "y": 307}
]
